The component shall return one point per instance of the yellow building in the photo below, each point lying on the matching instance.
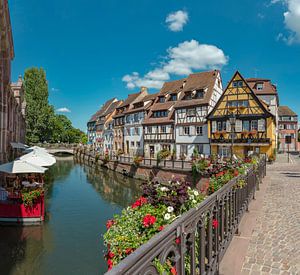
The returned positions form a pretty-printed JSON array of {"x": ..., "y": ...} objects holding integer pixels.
[{"x": 253, "y": 125}]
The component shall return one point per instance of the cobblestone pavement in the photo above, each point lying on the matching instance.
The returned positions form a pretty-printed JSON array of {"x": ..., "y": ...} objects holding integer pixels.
[{"x": 275, "y": 241}]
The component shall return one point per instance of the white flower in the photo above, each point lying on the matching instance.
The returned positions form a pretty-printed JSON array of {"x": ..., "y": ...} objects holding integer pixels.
[
  {"x": 164, "y": 189},
  {"x": 196, "y": 193},
  {"x": 189, "y": 188},
  {"x": 170, "y": 209},
  {"x": 192, "y": 197},
  {"x": 167, "y": 216},
  {"x": 194, "y": 201}
]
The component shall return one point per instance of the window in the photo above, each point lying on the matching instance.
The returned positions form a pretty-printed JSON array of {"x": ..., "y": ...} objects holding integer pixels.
[
  {"x": 132, "y": 143},
  {"x": 199, "y": 148},
  {"x": 199, "y": 130},
  {"x": 292, "y": 135},
  {"x": 191, "y": 112},
  {"x": 137, "y": 131},
  {"x": 173, "y": 97},
  {"x": 136, "y": 117},
  {"x": 238, "y": 103},
  {"x": 259, "y": 86},
  {"x": 188, "y": 96},
  {"x": 149, "y": 129},
  {"x": 261, "y": 126},
  {"x": 213, "y": 126},
  {"x": 127, "y": 119},
  {"x": 221, "y": 126},
  {"x": 246, "y": 125},
  {"x": 199, "y": 94},
  {"x": 183, "y": 149},
  {"x": 186, "y": 130},
  {"x": 254, "y": 125},
  {"x": 160, "y": 113},
  {"x": 161, "y": 99},
  {"x": 163, "y": 129},
  {"x": 237, "y": 83},
  {"x": 138, "y": 144},
  {"x": 224, "y": 151}
]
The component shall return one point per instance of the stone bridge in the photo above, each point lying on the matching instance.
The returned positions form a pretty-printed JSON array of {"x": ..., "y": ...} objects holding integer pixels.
[{"x": 59, "y": 148}]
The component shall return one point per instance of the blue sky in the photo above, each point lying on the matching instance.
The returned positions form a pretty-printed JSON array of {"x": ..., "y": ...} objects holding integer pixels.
[{"x": 94, "y": 50}]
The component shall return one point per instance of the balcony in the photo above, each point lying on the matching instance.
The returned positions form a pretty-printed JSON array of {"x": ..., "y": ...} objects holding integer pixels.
[
  {"x": 242, "y": 141},
  {"x": 156, "y": 137}
]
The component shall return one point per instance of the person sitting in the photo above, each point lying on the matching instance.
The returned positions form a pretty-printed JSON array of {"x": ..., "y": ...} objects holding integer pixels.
[{"x": 3, "y": 194}]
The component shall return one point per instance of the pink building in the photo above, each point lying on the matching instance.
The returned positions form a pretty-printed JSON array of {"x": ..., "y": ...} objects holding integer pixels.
[{"x": 288, "y": 126}]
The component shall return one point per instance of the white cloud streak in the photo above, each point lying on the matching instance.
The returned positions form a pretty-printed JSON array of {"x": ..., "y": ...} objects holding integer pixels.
[
  {"x": 63, "y": 110},
  {"x": 182, "y": 60},
  {"x": 176, "y": 20},
  {"x": 291, "y": 21}
]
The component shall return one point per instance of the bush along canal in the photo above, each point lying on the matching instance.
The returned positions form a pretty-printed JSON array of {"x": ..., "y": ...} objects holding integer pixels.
[{"x": 79, "y": 201}]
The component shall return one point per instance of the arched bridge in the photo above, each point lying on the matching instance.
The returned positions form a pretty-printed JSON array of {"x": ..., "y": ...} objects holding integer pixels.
[{"x": 59, "y": 148}]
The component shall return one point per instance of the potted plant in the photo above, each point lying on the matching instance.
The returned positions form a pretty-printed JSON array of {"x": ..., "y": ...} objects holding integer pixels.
[{"x": 137, "y": 160}]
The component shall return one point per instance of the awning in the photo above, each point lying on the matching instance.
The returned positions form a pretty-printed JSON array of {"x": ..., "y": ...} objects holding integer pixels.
[
  {"x": 18, "y": 145},
  {"x": 21, "y": 167},
  {"x": 39, "y": 158}
]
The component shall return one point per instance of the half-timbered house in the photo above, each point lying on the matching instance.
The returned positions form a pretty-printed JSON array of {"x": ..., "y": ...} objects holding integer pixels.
[
  {"x": 200, "y": 93},
  {"x": 241, "y": 118},
  {"x": 159, "y": 123}
]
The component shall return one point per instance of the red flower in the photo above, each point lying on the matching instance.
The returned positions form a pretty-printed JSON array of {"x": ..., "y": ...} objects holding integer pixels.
[
  {"x": 215, "y": 223},
  {"x": 161, "y": 228},
  {"x": 109, "y": 262},
  {"x": 148, "y": 220},
  {"x": 139, "y": 202},
  {"x": 109, "y": 223},
  {"x": 177, "y": 241},
  {"x": 110, "y": 267},
  {"x": 128, "y": 251},
  {"x": 236, "y": 173},
  {"x": 110, "y": 255},
  {"x": 173, "y": 270}
]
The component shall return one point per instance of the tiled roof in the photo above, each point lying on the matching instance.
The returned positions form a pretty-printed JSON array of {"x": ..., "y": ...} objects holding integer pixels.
[
  {"x": 130, "y": 99},
  {"x": 171, "y": 87},
  {"x": 112, "y": 107},
  {"x": 268, "y": 87},
  {"x": 102, "y": 110},
  {"x": 285, "y": 111}
]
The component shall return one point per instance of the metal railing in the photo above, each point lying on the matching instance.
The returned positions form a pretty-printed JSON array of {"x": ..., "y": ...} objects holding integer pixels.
[
  {"x": 149, "y": 162},
  {"x": 204, "y": 233}
]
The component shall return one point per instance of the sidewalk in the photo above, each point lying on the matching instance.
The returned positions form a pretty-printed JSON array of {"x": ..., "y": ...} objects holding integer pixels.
[{"x": 269, "y": 240}]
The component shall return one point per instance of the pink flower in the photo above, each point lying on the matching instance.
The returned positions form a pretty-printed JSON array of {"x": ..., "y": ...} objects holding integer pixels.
[
  {"x": 161, "y": 228},
  {"x": 173, "y": 270},
  {"x": 177, "y": 241},
  {"x": 109, "y": 223},
  {"x": 139, "y": 202}
]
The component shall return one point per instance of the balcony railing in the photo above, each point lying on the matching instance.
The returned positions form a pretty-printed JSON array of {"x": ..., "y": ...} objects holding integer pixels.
[
  {"x": 169, "y": 137},
  {"x": 241, "y": 140},
  {"x": 204, "y": 232}
]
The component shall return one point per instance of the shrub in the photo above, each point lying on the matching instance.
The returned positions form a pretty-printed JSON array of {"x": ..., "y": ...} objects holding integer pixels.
[{"x": 137, "y": 160}]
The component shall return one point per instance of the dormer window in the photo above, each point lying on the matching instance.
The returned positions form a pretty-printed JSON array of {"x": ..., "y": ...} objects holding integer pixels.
[
  {"x": 173, "y": 97},
  {"x": 188, "y": 96},
  {"x": 138, "y": 105},
  {"x": 161, "y": 99},
  {"x": 199, "y": 94},
  {"x": 191, "y": 112},
  {"x": 160, "y": 114},
  {"x": 259, "y": 86}
]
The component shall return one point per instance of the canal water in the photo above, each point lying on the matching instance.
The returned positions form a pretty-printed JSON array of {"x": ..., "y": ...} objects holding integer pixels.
[{"x": 79, "y": 202}]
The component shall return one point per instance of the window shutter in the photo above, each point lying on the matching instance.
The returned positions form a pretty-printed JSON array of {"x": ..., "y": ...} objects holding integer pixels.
[
  {"x": 193, "y": 130},
  {"x": 261, "y": 125},
  {"x": 238, "y": 125},
  {"x": 213, "y": 126},
  {"x": 228, "y": 126}
]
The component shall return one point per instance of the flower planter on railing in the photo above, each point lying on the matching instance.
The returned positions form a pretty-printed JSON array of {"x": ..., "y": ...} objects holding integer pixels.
[{"x": 196, "y": 242}]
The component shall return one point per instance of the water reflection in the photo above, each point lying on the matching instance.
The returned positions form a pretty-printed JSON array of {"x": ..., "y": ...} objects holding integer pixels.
[{"x": 79, "y": 201}]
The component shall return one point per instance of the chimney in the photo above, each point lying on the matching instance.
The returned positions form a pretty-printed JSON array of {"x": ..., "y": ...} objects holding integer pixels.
[{"x": 144, "y": 89}]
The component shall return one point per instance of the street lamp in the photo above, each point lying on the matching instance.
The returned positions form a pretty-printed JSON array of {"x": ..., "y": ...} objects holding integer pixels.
[{"x": 232, "y": 121}]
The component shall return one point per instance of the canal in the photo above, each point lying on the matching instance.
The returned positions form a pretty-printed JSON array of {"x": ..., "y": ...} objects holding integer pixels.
[{"x": 79, "y": 202}]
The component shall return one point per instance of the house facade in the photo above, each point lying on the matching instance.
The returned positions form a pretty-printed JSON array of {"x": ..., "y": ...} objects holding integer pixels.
[
  {"x": 288, "y": 126},
  {"x": 120, "y": 141},
  {"x": 12, "y": 104},
  {"x": 158, "y": 125},
  {"x": 133, "y": 129},
  {"x": 200, "y": 93},
  {"x": 242, "y": 117}
]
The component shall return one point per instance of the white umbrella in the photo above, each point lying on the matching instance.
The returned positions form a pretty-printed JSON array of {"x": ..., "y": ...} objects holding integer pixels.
[
  {"x": 21, "y": 167},
  {"x": 36, "y": 148},
  {"x": 40, "y": 159}
]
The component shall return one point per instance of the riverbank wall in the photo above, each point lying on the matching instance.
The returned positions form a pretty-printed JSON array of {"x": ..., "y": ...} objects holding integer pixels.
[{"x": 141, "y": 172}]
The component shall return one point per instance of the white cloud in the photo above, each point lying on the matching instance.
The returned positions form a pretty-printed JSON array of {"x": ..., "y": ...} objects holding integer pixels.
[
  {"x": 183, "y": 59},
  {"x": 63, "y": 110},
  {"x": 176, "y": 20},
  {"x": 54, "y": 90},
  {"x": 291, "y": 21}
]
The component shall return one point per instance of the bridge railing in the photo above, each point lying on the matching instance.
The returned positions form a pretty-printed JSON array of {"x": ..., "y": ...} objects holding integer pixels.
[
  {"x": 57, "y": 145},
  {"x": 196, "y": 242}
]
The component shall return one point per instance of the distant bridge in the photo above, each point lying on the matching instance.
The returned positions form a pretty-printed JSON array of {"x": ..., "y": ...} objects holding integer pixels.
[{"x": 58, "y": 148}]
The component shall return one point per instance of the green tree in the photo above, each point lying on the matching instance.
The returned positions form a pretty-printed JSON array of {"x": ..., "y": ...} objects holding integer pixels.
[{"x": 38, "y": 110}]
